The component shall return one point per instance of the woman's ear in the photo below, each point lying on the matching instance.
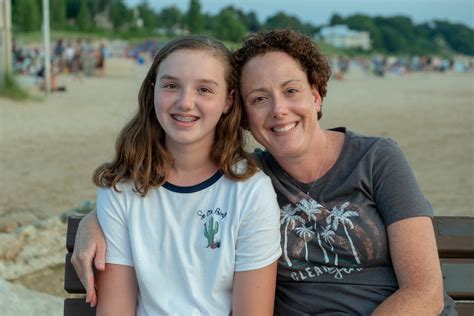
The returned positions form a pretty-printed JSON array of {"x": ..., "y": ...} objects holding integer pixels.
[
  {"x": 316, "y": 98},
  {"x": 229, "y": 102}
]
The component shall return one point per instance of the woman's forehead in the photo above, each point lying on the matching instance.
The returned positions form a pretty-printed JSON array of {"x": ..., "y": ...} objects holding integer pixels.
[{"x": 271, "y": 62}]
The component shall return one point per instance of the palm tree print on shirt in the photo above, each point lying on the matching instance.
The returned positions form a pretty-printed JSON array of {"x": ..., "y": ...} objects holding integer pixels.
[
  {"x": 313, "y": 209},
  {"x": 328, "y": 236},
  {"x": 341, "y": 215},
  {"x": 289, "y": 217},
  {"x": 308, "y": 211},
  {"x": 305, "y": 233}
]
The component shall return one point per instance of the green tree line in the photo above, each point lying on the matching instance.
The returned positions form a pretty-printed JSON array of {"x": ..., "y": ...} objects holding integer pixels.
[{"x": 397, "y": 34}]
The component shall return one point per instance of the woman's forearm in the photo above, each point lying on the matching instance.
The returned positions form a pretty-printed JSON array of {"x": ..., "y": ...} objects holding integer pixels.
[{"x": 412, "y": 301}]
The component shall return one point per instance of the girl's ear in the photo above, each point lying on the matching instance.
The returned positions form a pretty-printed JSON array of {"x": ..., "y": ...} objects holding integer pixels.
[
  {"x": 229, "y": 101},
  {"x": 316, "y": 98}
]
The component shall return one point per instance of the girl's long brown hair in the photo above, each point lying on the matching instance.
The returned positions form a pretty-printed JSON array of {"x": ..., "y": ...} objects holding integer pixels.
[{"x": 141, "y": 153}]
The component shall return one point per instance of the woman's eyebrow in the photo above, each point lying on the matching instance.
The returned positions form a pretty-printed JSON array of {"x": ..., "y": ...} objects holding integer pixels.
[
  {"x": 290, "y": 81},
  {"x": 284, "y": 83}
]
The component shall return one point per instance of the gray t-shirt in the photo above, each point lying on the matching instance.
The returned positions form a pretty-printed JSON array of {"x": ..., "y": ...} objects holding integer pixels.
[{"x": 336, "y": 258}]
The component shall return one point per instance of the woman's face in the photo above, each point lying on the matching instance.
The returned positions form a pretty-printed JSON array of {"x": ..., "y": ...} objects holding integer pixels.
[{"x": 280, "y": 103}]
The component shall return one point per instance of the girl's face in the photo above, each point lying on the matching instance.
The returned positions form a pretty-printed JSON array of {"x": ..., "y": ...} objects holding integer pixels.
[
  {"x": 190, "y": 97},
  {"x": 281, "y": 105}
]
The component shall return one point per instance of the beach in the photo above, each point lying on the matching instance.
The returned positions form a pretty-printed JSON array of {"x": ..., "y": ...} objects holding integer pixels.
[{"x": 50, "y": 147}]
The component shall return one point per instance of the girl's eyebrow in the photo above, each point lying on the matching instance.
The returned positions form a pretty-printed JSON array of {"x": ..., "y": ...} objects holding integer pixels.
[
  {"x": 207, "y": 81},
  {"x": 167, "y": 77}
]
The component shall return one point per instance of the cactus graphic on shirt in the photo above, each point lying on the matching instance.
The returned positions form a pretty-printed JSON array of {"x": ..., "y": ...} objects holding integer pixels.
[{"x": 210, "y": 232}]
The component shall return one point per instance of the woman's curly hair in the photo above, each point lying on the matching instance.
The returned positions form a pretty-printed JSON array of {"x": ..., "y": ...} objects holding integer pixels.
[{"x": 301, "y": 47}]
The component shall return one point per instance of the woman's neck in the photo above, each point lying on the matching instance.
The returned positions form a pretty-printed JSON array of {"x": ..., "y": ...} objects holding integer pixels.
[{"x": 317, "y": 160}]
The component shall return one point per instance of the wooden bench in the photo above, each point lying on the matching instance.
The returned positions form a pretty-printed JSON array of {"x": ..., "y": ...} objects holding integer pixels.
[{"x": 454, "y": 237}]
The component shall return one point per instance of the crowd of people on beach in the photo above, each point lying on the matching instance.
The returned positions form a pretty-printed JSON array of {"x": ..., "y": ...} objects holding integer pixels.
[
  {"x": 79, "y": 57},
  {"x": 86, "y": 58},
  {"x": 380, "y": 65}
]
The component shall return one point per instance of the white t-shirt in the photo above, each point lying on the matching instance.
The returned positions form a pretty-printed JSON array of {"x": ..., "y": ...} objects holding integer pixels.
[{"x": 185, "y": 243}]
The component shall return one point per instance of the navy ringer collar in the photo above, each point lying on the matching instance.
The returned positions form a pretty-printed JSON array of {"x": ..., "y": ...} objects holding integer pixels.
[{"x": 194, "y": 188}]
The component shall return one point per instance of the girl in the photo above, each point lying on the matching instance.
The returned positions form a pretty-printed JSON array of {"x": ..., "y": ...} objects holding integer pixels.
[{"x": 191, "y": 225}]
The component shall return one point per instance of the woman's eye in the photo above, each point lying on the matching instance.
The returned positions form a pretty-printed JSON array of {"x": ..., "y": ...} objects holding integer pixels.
[
  {"x": 291, "y": 91},
  {"x": 204, "y": 90}
]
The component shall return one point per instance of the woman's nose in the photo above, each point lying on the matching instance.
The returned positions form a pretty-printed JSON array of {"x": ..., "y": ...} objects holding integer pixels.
[{"x": 280, "y": 107}]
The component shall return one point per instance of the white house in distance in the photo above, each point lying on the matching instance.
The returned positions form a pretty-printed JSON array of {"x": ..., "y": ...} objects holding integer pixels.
[{"x": 341, "y": 36}]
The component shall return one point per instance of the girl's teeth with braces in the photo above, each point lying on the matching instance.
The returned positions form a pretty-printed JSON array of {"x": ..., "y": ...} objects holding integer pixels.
[
  {"x": 184, "y": 118},
  {"x": 284, "y": 128}
]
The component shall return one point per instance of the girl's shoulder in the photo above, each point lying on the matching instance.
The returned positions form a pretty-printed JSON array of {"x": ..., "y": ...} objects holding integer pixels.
[
  {"x": 240, "y": 167},
  {"x": 123, "y": 187}
]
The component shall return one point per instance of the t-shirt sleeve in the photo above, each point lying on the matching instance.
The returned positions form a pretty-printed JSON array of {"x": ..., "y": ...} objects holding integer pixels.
[
  {"x": 397, "y": 193},
  {"x": 258, "y": 240},
  {"x": 111, "y": 212}
]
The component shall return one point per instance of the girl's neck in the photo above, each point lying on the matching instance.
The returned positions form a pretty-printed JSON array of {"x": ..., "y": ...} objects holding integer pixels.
[{"x": 191, "y": 165}]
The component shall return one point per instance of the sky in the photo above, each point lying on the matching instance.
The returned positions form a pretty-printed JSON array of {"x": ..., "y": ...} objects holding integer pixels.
[{"x": 319, "y": 12}]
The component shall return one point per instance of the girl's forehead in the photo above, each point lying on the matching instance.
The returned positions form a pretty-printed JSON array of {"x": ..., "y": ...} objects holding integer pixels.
[
  {"x": 206, "y": 54},
  {"x": 192, "y": 66}
]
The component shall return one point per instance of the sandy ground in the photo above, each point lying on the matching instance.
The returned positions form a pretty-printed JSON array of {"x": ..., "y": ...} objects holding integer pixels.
[{"x": 50, "y": 148}]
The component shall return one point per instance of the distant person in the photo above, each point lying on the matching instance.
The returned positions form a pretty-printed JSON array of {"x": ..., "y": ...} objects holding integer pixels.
[
  {"x": 68, "y": 57},
  {"x": 100, "y": 63},
  {"x": 192, "y": 224},
  {"x": 356, "y": 232},
  {"x": 54, "y": 87},
  {"x": 89, "y": 58},
  {"x": 58, "y": 52},
  {"x": 343, "y": 63},
  {"x": 78, "y": 58}
]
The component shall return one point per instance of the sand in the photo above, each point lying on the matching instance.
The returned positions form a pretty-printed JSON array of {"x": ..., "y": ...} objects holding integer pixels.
[{"x": 50, "y": 148}]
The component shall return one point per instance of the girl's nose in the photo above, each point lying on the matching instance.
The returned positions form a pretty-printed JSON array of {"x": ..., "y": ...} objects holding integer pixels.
[{"x": 185, "y": 101}]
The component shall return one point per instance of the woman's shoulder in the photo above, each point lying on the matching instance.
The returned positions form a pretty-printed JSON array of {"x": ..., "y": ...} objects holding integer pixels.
[
  {"x": 262, "y": 156},
  {"x": 359, "y": 141}
]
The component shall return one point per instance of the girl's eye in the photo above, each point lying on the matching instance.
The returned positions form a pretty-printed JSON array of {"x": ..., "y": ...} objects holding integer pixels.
[
  {"x": 170, "y": 86},
  {"x": 258, "y": 99}
]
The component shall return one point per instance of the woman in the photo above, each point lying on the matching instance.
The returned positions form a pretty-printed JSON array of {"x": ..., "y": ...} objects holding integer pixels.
[{"x": 356, "y": 231}]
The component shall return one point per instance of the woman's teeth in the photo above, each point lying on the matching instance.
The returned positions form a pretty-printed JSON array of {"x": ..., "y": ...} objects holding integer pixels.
[{"x": 285, "y": 128}]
